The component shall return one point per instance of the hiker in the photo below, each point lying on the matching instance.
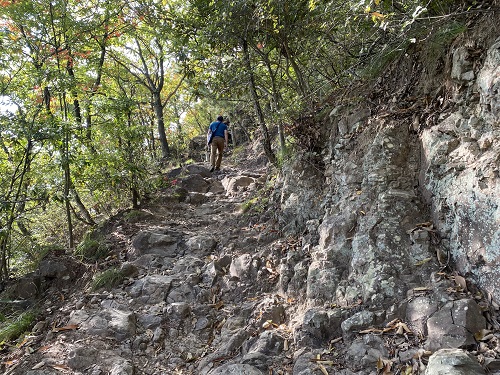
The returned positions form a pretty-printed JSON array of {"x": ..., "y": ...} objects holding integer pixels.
[{"x": 217, "y": 138}]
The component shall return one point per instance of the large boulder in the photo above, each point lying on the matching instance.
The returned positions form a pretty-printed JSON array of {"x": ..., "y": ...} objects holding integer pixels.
[
  {"x": 454, "y": 325},
  {"x": 453, "y": 362}
]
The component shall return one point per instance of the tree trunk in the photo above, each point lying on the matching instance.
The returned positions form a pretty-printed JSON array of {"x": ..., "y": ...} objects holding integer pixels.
[
  {"x": 15, "y": 206},
  {"x": 135, "y": 198},
  {"x": 275, "y": 100},
  {"x": 4, "y": 269},
  {"x": 266, "y": 141},
  {"x": 160, "y": 122},
  {"x": 81, "y": 207},
  {"x": 95, "y": 87},
  {"x": 67, "y": 185}
]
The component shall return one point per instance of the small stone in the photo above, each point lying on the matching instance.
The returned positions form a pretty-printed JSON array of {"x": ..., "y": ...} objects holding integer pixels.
[{"x": 358, "y": 321}]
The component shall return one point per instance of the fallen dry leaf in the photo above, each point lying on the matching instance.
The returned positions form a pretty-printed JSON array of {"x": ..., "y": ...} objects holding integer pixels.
[
  {"x": 392, "y": 322},
  {"x": 61, "y": 367},
  {"x": 384, "y": 366},
  {"x": 402, "y": 328},
  {"x": 44, "y": 348},
  {"x": 38, "y": 365},
  {"x": 422, "y": 353},
  {"x": 372, "y": 330},
  {"x": 69, "y": 327},
  {"x": 380, "y": 364},
  {"x": 267, "y": 324},
  {"x": 483, "y": 335},
  {"x": 334, "y": 341},
  {"x": 24, "y": 342},
  {"x": 442, "y": 257},
  {"x": 460, "y": 280},
  {"x": 322, "y": 369},
  {"x": 422, "y": 262}
]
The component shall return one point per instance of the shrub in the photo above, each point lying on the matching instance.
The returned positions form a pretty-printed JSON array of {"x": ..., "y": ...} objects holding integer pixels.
[
  {"x": 91, "y": 249},
  {"x": 107, "y": 279},
  {"x": 11, "y": 329}
]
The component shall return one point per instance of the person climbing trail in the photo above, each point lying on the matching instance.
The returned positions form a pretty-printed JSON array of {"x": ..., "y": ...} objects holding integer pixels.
[{"x": 218, "y": 140}]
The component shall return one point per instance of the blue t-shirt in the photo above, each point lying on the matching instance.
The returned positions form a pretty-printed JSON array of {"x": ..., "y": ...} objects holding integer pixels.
[{"x": 220, "y": 130}]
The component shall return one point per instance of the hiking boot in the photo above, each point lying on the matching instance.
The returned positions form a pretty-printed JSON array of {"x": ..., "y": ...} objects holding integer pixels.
[{"x": 212, "y": 169}]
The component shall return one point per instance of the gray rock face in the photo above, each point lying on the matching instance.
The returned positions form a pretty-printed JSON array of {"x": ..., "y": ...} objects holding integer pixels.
[
  {"x": 419, "y": 310},
  {"x": 401, "y": 203},
  {"x": 235, "y": 184},
  {"x": 318, "y": 325},
  {"x": 242, "y": 267},
  {"x": 363, "y": 353},
  {"x": 489, "y": 85},
  {"x": 164, "y": 243},
  {"x": 453, "y": 362},
  {"x": 358, "y": 321},
  {"x": 151, "y": 289},
  {"x": 454, "y": 325},
  {"x": 460, "y": 178},
  {"x": 195, "y": 183},
  {"x": 105, "y": 322}
]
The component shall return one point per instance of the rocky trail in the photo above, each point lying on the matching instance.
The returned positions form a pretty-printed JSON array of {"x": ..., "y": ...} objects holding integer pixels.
[
  {"x": 206, "y": 289},
  {"x": 198, "y": 286}
]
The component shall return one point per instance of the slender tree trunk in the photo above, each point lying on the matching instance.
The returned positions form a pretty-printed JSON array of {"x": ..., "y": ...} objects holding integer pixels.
[
  {"x": 95, "y": 87},
  {"x": 303, "y": 85},
  {"x": 4, "y": 267},
  {"x": 87, "y": 217},
  {"x": 67, "y": 185},
  {"x": 14, "y": 198},
  {"x": 260, "y": 115},
  {"x": 133, "y": 178},
  {"x": 160, "y": 122},
  {"x": 135, "y": 198},
  {"x": 275, "y": 101},
  {"x": 78, "y": 116}
]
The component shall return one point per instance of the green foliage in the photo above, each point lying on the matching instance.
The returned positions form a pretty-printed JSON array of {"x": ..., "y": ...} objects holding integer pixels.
[
  {"x": 13, "y": 328},
  {"x": 381, "y": 60},
  {"x": 259, "y": 202},
  {"x": 256, "y": 204},
  {"x": 438, "y": 44},
  {"x": 247, "y": 205},
  {"x": 284, "y": 154},
  {"x": 445, "y": 35},
  {"x": 107, "y": 279},
  {"x": 91, "y": 249}
]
